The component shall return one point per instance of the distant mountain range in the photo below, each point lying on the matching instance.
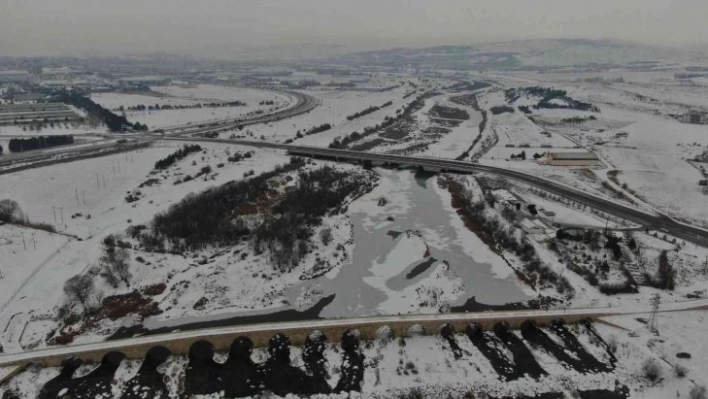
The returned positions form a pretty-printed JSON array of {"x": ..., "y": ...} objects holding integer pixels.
[{"x": 528, "y": 54}]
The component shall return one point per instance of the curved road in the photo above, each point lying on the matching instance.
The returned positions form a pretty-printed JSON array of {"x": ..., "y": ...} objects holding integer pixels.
[
  {"x": 304, "y": 103},
  {"x": 660, "y": 222}
]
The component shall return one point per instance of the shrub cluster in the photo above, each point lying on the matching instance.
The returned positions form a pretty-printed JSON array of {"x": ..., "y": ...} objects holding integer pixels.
[
  {"x": 167, "y": 161},
  {"x": 547, "y": 95},
  {"x": 317, "y": 129},
  {"x": 500, "y": 109},
  {"x": 369, "y": 110},
  {"x": 165, "y": 107},
  {"x": 449, "y": 112},
  {"x": 286, "y": 234},
  {"x": 35, "y": 143},
  {"x": 496, "y": 235},
  {"x": 414, "y": 106},
  {"x": 285, "y": 223},
  {"x": 208, "y": 218}
]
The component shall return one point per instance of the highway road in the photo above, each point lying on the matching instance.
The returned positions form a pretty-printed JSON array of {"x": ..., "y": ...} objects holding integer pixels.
[
  {"x": 303, "y": 103},
  {"x": 647, "y": 220}
]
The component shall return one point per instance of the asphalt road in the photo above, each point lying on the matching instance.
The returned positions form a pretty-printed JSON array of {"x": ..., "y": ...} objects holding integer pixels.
[
  {"x": 647, "y": 220},
  {"x": 304, "y": 103}
]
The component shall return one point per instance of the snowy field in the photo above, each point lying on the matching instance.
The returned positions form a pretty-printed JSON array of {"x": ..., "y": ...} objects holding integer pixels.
[
  {"x": 633, "y": 134},
  {"x": 191, "y": 96},
  {"x": 113, "y": 101},
  {"x": 573, "y": 361},
  {"x": 214, "y": 93},
  {"x": 334, "y": 108}
]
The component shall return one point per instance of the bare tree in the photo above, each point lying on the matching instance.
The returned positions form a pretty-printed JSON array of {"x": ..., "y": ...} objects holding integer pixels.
[
  {"x": 698, "y": 392},
  {"x": 326, "y": 235},
  {"x": 80, "y": 288},
  {"x": 10, "y": 211},
  {"x": 651, "y": 370},
  {"x": 116, "y": 262}
]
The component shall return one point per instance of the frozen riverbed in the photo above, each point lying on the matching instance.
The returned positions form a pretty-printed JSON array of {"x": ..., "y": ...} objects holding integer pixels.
[{"x": 412, "y": 255}]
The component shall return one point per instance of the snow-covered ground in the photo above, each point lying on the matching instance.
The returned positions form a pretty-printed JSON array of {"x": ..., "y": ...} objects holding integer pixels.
[
  {"x": 334, "y": 108},
  {"x": 192, "y": 96},
  {"x": 676, "y": 332},
  {"x": 87, "y": 199},
  {"x": 426, "y": 366}
]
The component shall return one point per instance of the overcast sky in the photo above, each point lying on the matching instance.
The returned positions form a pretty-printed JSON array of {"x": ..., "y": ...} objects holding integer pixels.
[{"x": 221, "y": 27}]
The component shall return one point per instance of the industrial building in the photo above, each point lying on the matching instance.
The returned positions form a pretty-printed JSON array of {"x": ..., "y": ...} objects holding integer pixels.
[{"x": 582, "y": 158}]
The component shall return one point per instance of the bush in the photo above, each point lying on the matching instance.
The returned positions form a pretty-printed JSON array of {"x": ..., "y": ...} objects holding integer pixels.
[
  {"x": 680, "y": 370},
  {"x": 449, "y": 112},
  {"x": 698, "y": 392},
  {"x": 612, "y": 344},
  {"x": 326, "y": 235},
  {"x": 500, "y": 109},
  {"x": 10, "y": 211},
  {"x": 35, "y": 143},
  {"x": 651, "y": 370},
  {"x": 166, "y": 162},
  {"x": 80, "y": 288}
]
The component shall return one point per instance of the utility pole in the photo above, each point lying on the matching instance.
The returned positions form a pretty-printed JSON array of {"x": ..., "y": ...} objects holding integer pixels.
[
  {"x": 76, "y": 193},
  {"x": 655, "y": 301},
  {"x": 34, "y": 241},
  {"x": 54, "y": 213},
  {"x": 97, "y": 183},
  {"x": 23, "y": 241}
]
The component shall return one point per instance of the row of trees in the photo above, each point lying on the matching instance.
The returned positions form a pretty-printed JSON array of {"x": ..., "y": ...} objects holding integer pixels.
[
  {"x": 500, "y": 109},
  {"x": 167, "y": 161},
  {"x": 369, "y": 110},
  {"x": 35, "y": 143},
  {"x": 115, "y": 123},
  {"x": 578, "y": 119},
  {"x": 317, "y": 129},
  {"x": 166, "y": 107},
  {"x": 499, "y": 236},
  {"x": 547, "y": 96},
  {"x": 412, "y": 107}
]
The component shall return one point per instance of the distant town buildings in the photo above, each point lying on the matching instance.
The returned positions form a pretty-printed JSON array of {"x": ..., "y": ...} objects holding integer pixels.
[{"x": 13, "y": 76}]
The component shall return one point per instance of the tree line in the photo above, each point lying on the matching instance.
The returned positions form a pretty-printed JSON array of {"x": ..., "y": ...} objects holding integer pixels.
[
  {"x": 166, "y": 107},
  {"x": 369, "y": 110},
  {"x": 115, "y": 123},
  {"x": 167, "y": 161},
  {"x": 36, "y": 143},
  {"x": 547, "y": 95},
  {"x": 412, "y": 107},
  {"x": 317, "y": 129}
]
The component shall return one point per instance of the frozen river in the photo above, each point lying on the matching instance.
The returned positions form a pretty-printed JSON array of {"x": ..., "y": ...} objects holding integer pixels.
[{"x": 380, "y": 277}]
